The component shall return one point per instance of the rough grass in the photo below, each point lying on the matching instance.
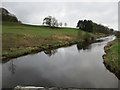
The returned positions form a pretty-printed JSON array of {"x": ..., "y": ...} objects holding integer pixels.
[
  {"x": 111, "y": 58},
  {"x": 18, "y": 38}
]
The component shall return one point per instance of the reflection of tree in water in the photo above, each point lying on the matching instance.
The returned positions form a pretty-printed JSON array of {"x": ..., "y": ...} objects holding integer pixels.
[
  {"x": 12, "y": 67},
  {"x": 83, "y": 46},
  {"x": 50, "y": 52}
]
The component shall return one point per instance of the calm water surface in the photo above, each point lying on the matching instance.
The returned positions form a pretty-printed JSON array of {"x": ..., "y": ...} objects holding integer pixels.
[{"x": 65, "y": 67}]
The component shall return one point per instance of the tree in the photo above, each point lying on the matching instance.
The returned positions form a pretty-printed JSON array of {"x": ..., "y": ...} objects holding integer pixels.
[
  {"x": 47, "y": 20},
  {"x": 54, "y": 22},
  {"x": 65, "y": 24},
  {"x": 50, "y": 21},
  {"x": 80, "y": 24},
  {"x": 7, "y": 16},
  {"x": 117, "y": 34},
  {"x": 86, "y": 25},
  {"x": 60, "y": 24},
  {"x": 89, "y": 26}
]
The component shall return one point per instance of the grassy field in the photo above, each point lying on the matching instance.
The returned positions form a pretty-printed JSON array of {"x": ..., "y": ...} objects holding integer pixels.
[
  {"x": 20, "y": 38},
  {"x": 111, "y": 58}
]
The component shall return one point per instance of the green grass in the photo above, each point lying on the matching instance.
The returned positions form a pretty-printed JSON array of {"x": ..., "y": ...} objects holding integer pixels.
[
  {"x": 112, "y": 55},
  {"x": 18, "y": 38},
  {"x": 11, "y": 28},
  {"x": 16, "y": 53}
]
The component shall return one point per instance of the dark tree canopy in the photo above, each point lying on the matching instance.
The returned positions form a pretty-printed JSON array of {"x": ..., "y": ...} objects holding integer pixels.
[
  {"x": 85, "y": 25},
  {"x": 117, "y": 33},
  {"x": 50, "y": 21},
  {"x": 7, "y": 16},
  {"x": 89, "y": 26}
]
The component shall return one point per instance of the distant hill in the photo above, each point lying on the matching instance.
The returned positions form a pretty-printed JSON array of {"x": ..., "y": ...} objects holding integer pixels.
[{"x": 7, "y": 16}]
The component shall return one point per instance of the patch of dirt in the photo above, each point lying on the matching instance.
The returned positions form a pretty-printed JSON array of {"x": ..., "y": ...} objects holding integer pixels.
[
  {"x": 21, "y": 48},
  {"x": 27, "y": 35},
  {"x": 62, "y": 37}
]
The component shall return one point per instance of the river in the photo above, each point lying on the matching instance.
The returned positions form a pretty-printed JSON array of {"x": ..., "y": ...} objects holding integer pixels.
[{"x": 74, "y": 66}]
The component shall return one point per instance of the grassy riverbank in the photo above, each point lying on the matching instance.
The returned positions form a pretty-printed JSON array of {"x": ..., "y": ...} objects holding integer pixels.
[
  {"x": 111, "y": 58},
  {"x": 20, "y": 39}
]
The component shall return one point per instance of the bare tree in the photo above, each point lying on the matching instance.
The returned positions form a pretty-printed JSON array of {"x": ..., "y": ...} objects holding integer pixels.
[
  {"x": 60, "y": 24},
  {"x": 65, "y": 24}
]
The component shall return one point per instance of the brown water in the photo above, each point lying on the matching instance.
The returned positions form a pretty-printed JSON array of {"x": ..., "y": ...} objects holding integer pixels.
[{"x": 74, "y": 66}]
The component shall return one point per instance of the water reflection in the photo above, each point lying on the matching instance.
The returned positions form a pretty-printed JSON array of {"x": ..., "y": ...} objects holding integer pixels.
[
  {"x": 12, "y": 67},
  {"x": 64, "y": 67},
  {"x": 50, "y": 52},
  {"x": 83, "y": 46}
]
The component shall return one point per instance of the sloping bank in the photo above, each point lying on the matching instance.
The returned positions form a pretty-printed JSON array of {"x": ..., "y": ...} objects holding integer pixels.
[
  {"x": 21, "y": 39},
  {"x": 18, "y": 53},
  {"x": 111, "y": 58}
]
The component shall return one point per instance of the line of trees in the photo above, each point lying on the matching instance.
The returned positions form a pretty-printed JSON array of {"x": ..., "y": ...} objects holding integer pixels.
[
  {"x": 89, "y": 26},
  {"x": 52, "y": 22}
]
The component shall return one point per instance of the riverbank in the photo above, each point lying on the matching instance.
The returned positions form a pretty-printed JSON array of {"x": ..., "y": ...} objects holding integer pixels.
[
  {"x": 20, "y": 39},
  {"x": 111, "y": 58}
]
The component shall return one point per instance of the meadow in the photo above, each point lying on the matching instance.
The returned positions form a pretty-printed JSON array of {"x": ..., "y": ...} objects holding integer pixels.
[{"x": 19, "y": 39}]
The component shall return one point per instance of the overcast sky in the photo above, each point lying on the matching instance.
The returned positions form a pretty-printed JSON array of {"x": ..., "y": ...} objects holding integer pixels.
[{"x": 105, "y": 13}]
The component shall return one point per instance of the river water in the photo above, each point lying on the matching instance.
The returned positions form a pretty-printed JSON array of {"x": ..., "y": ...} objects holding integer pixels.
[{"x": 74, "y": 66}]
